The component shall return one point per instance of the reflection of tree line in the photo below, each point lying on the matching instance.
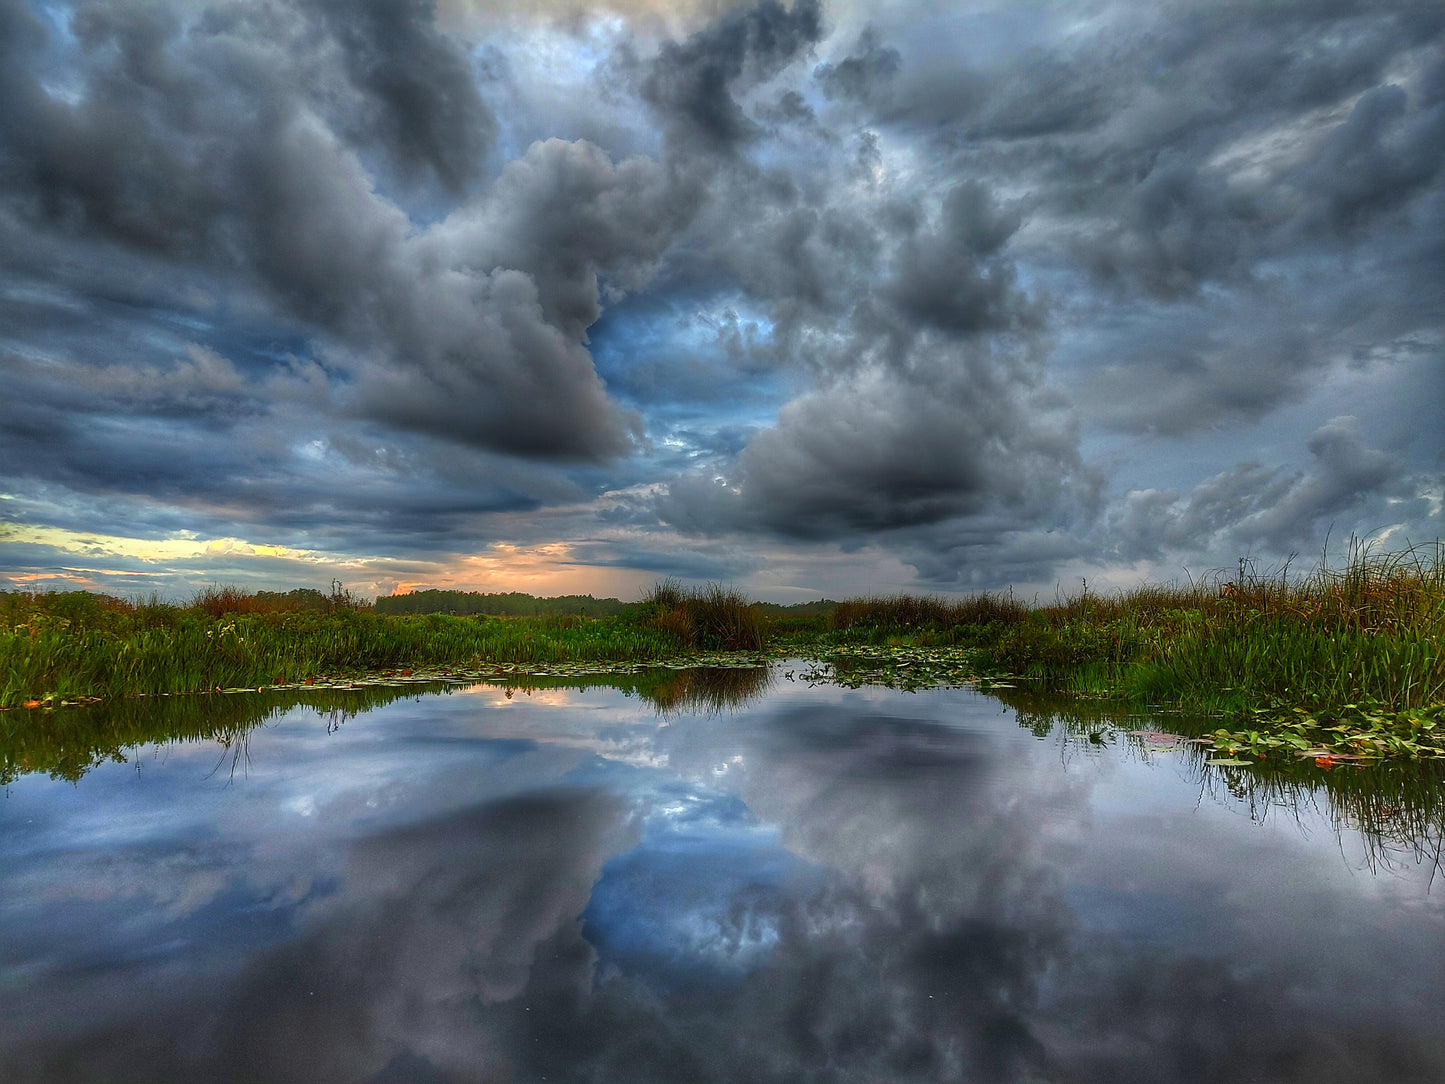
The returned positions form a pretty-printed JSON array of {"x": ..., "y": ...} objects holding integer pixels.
[
  {"x": 67, "y": 743},
  {"x": 1398, "y": 809}
]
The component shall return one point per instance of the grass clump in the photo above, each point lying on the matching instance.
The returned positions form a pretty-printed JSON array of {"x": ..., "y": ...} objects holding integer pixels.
[
  {"x": 712, "y": 618},
  {"x": 1366, "y": 633}
]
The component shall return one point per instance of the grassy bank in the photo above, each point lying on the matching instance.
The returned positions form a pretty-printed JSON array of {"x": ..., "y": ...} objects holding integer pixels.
[
  {"x": 1343, "y": 661},
  {"x": 75, "y": 646},
  {"x": 1368, "y": 631}
]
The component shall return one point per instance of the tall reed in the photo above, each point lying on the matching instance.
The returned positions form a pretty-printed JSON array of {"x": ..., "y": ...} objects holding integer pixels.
[{"x": 1367, "y": 631}]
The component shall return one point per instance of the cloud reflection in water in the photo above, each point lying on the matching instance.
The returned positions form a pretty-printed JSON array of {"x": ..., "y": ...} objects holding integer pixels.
[{"x": 827, "y": 885}]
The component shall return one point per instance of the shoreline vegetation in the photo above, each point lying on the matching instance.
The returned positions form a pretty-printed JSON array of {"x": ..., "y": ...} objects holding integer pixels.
[{"x": 1340, "y": 665}]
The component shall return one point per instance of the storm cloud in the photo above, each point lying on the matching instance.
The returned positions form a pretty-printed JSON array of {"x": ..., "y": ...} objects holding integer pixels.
[{"x": 970, "y": 294}]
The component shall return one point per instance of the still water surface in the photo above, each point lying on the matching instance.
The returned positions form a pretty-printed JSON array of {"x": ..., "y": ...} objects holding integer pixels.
[{"x": 819, "y": 884}]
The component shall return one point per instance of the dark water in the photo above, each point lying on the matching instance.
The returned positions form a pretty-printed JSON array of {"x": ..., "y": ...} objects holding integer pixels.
[{"x": 821, "y": 884}]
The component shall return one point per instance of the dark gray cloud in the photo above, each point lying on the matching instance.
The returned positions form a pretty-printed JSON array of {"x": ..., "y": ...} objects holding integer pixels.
[
  {"x": 919, "y": 423},
  {"x": 862, "y": 74},
  {"x": 693, "y": 83},
  {"x": 930, "y": 403},
  {"x": 213, "y": 142},
  {"x": 1120, "y": 133},
  {"x": 427, "y": 110},
  {"x": 1176, "y": 368},
  {"x": 942, "y": 278},
  {"x": 1378, "y": 159},
  {"x": 877, "y": 453}
]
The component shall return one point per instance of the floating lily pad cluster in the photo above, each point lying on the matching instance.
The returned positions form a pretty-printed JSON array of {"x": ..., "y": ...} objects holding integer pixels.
[
  {"x": 903, "y": 667},
  {"x": 514, "y": 671},
  {"x": 1356, "y": 734}
]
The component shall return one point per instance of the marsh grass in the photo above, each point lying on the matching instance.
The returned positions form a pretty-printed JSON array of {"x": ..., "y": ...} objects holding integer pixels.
[
  {"x": 1365, "y": 633},
  {"x": 910, "y": 615},
  {"x": 1368, "y": 632},
  {"x": 77, "y": 645}
]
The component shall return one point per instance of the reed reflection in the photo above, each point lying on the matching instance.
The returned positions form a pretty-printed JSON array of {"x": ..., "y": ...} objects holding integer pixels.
[
  {"x": 67, "y": 743},
  {"x": 1397, "y": 810}
]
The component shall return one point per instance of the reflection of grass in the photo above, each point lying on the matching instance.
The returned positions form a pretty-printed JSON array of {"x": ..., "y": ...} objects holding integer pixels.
[
  {"x": 67, "y": 744},
  {"x": 922, "y": 620},
  {"x": 705, "y": 690},
  {"x": 1397, "y": 809},
  {"x": 691, "y": 690}
]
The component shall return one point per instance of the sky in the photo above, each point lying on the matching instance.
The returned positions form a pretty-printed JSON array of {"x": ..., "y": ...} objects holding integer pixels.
[{"x": 820, "y": 298}]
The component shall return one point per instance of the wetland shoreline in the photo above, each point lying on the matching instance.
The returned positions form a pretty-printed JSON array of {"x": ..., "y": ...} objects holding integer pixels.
[{"x": 1340, "y": 665}]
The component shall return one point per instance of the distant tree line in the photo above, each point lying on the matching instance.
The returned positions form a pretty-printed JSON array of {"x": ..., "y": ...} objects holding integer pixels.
[{"x": 510, "y": 604}]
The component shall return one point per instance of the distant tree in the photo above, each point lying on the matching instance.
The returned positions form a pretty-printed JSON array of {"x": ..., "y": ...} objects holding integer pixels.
[
  {"x": 304, "y": 599},
  {"x": 508, "y": 604}
]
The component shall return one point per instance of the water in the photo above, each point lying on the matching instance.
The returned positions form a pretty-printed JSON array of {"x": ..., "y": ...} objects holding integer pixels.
[{"x": 815, "y": 884}]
